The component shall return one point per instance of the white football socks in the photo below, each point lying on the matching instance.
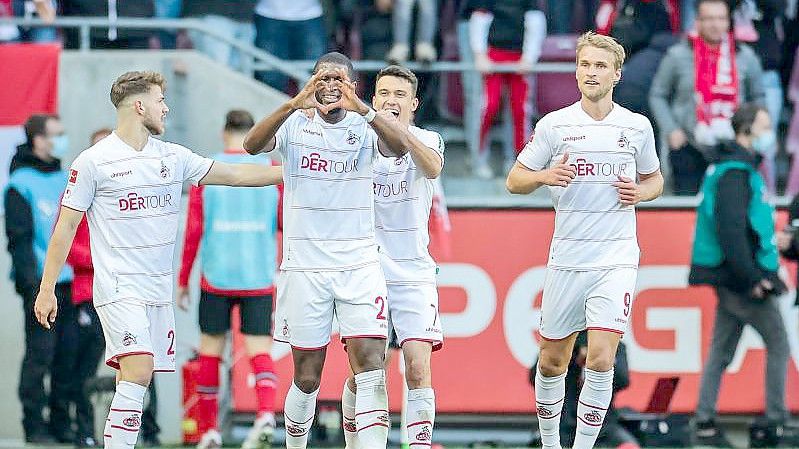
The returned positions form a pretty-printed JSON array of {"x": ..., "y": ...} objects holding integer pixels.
[
  {"x": 594, "y": 401},
  {"x": 124, "y": 418},
  {"x": 421, "y": 416},
  {"x": 348, "y": 416},
  {"x": 299, "y": 411},
  {"x": 371, "y": 409},
  {"x": 549, "y": 393}
]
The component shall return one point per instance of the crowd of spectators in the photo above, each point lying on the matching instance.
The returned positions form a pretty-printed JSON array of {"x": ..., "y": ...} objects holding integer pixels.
[{"x": 758, "y": 37}]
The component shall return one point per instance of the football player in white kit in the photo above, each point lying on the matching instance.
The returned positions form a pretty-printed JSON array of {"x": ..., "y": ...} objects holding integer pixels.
[
  {"x": 599, "y": 161},
  {"x": 328, "y": 139},
  {"x": 129, "y": 185},
  {"x": 403, "y": 189}
]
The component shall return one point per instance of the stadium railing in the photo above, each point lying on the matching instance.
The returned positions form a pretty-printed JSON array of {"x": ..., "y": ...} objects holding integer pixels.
[
  {"x": 299, "y": 71},
  {"x": 258, "y": 59}
]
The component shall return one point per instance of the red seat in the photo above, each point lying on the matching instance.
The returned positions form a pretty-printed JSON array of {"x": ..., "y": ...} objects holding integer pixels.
[{"x": 556, "y": 90}]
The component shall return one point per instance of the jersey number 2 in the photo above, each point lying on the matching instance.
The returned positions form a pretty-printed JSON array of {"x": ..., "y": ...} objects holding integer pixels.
[
  {"x": 171, "y": 336},
  {"x": 380, "y": 300}
]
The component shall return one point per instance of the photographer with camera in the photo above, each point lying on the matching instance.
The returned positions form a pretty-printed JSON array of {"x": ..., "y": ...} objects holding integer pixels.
[{"x": 734, "y": 252}]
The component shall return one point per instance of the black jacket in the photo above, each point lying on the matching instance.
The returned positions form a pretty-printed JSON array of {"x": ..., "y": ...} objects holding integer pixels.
[
  {"x": 19, "y": 224},
  {"x": 638, "y": 73},
  {"x": 739, "y": 271},
  {"x": 507, "y": 28}
]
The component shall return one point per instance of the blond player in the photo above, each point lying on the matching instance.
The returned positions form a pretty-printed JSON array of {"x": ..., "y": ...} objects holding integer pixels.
[
  {"x": 129, "y": 185},
  {"x": 403, "y": 189},
  {"x": 599, "y": 161},
  {"x": 328, "y": 139}
]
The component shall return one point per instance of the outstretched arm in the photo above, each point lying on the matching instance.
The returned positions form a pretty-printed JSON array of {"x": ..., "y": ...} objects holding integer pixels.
[{"x": 243, "y": 175}]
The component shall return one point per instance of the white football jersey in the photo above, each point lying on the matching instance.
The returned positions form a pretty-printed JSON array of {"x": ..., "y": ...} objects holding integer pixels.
[
  {"x": 132, "y": 202},
  {"x": 403, "y": 196},
  {"x": 328, "y": 206},
  {"x": 593, "y": 230}
]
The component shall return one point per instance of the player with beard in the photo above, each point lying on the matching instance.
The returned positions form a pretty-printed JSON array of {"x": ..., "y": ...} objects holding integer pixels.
[
  {"x": 403, "y": 188},
  {"x": 328, "y": 139},
  {"x": 129, "y": 185},
  {"x": 599, "y": 161}
]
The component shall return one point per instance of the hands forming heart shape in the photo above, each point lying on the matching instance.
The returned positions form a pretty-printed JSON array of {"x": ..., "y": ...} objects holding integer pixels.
[{"x": 330, "y": 80}]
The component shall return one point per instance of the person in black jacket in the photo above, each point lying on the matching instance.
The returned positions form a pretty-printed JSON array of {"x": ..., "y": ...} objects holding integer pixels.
[
  {"x": 31, "y": 204},
  {"x": 733, "y": 252},
  {"x": 632, "y": 92}
]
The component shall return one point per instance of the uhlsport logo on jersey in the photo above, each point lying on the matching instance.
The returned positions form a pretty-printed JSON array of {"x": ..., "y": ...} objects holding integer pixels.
[
  {"x": 128, "y": 339},
  {"x": 133, "y": 201},
  {"x": 315, "y": 163},
  {"x": 593, "y": 417},
  {"x": 584, "y": 167},
  {"x": 133, "y": 421},
  {"x": 121, "y": 174}
]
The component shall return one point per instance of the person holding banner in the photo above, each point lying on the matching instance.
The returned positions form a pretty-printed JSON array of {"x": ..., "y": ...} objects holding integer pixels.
[
  {"x": 130, "y": 185},
  {"x": 598, "y": 160}
]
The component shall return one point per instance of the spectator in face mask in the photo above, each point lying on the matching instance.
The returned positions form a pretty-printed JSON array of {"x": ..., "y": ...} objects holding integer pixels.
[
  {"x": 32, "y": 201},
  {"x": 734, "y": 252}
]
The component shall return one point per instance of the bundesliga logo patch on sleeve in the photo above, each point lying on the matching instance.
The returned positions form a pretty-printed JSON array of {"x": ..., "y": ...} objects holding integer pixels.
[{"x": 73, "y": 176}]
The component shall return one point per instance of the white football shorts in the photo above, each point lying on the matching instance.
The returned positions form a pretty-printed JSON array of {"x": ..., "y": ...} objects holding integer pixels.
[
  {"x": 308, "y": 300},
  {"x": 578, "y": 300},
  {"x": 414, "y": 313},
  {"x": 133, "y": 327}
]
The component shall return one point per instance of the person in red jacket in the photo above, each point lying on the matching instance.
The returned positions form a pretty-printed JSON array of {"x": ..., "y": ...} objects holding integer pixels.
[{"x": 234, "y": 232}]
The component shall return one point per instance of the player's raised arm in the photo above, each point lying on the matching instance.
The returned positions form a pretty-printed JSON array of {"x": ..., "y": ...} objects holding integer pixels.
[
  {"x": 523, "y": 180},
  {"x": 261, "y": 138},
  {"x": 428, "y": 160},
  {"x": 243, "y": 175},
  {"x": 46, "y": 306}
]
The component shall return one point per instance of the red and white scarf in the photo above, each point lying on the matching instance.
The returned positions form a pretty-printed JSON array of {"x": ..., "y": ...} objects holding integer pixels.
[{"x": 716, "y": 86}]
